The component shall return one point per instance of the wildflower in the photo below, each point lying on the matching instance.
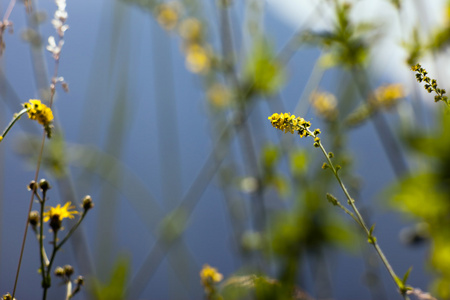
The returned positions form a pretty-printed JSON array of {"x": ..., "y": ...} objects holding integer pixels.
[
  {"x": 7, "y": 296},
  {"x": 57, "y": 214},
  {"x": 44, "y": 185},
  {"x": 387, "y": 96},
  {"x": 191, "y": 30},
  {"x": 68, "y": 270},
  {"x": 87, "y": 203},
  {"x": 219, "y": 95},
  {"x": 59, "y": 19},
  {"x": 197, "y": 58},
  {"x": 290, "y": 123},
  {"x": 209, "y": 276},
  {"x": 53, "y": 48},
  {"x": 59, "y": 272},
  {"x": 167, "y": 15},
  {"x": 33, "y": 218},
  {"x": 60, "y": 212},
  {"x": 430, "y": 84},
  {"x": 39, "y": 111},
  {"x": 325, "y": 105}
]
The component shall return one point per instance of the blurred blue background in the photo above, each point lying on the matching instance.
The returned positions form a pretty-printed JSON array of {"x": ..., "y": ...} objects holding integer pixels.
[{"x": 137, "y": 128}]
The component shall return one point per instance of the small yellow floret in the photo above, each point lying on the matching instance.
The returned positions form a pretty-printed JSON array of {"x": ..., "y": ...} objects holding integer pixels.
[
  {"x": 167, "y": 15},
  {"x": 209, "y": 276},
  {"x": 197, "y": 59},
  {"x": 191, "y": 30},
  {"x": 61, "y": 212},
  {"x": 325, "y": 105}
]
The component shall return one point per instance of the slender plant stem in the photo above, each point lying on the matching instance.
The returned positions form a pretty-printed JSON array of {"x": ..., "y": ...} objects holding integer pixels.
[
  {"x": 9, "y": 10},
  {"x": 359, "y": 219},
  {"x": 14, "y": 120},
  {"x": 36, "y": 175}
]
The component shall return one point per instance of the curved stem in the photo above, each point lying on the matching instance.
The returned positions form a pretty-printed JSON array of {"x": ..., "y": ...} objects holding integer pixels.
[
  {"x": 360, "y": 220},
  {"x": 14, "y": 120}
]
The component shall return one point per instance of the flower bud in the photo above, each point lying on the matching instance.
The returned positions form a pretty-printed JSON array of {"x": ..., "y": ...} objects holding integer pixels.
[
  {"x": 33, "y": 218},
  {"x": 59, "y": 272},
  {"x": 44, "y": 185},
  {"x": 32, "y": 185},
  {"x": 87, "y": 203},
  {"x": 68, "y": 270}
]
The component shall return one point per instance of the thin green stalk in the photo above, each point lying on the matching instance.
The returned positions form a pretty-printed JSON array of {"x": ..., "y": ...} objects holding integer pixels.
[
  {"x": 36, "y": 175},
  {"x": 14, "y": 120},
  {"x": 360, "y": 220},
  {"x": 43, "y": 255}
]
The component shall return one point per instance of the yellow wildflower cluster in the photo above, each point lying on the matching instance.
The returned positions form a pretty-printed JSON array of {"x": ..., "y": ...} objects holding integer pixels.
[
  {"x": 60, "y": 212},
  {"x": 38, "y": 111},
  {"x": 290, "y": 123},
  {"x": 430, "y": 84},
  {"x": 198, "y": 53},
  {"x": 387, "y": 96},
  {"x": 209, "y": 276},
  {"x": 325, "y": 105}
]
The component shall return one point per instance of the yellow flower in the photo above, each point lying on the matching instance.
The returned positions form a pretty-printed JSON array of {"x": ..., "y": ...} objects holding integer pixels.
[
  {"x": 197, "y": 59},
  {"x": 38, "y": 111},
  {"x": 61, "y": 212},
  {"x": 167, "y": 15},
  {"x": 289, "y": 123},
  {"x": 219, "y": 95},
  {"x": 387, "y": 96},
  {"x": 191, "y": 30},
  {"x": 325, "y": 105},
  {"x": 209, "y": 276}
]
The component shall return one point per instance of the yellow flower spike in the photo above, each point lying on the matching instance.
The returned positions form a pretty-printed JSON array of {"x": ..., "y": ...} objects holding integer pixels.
[
  {"x": 60, "y": 212},
  {"x": 288, "y": 123}
]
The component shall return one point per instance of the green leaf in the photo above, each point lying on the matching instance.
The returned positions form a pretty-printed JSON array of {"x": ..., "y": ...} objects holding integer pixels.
[
  {"x": 371, "y": 229},
  {"x": 405, "y": 277},
  {"x": 115, "y": 288}
]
